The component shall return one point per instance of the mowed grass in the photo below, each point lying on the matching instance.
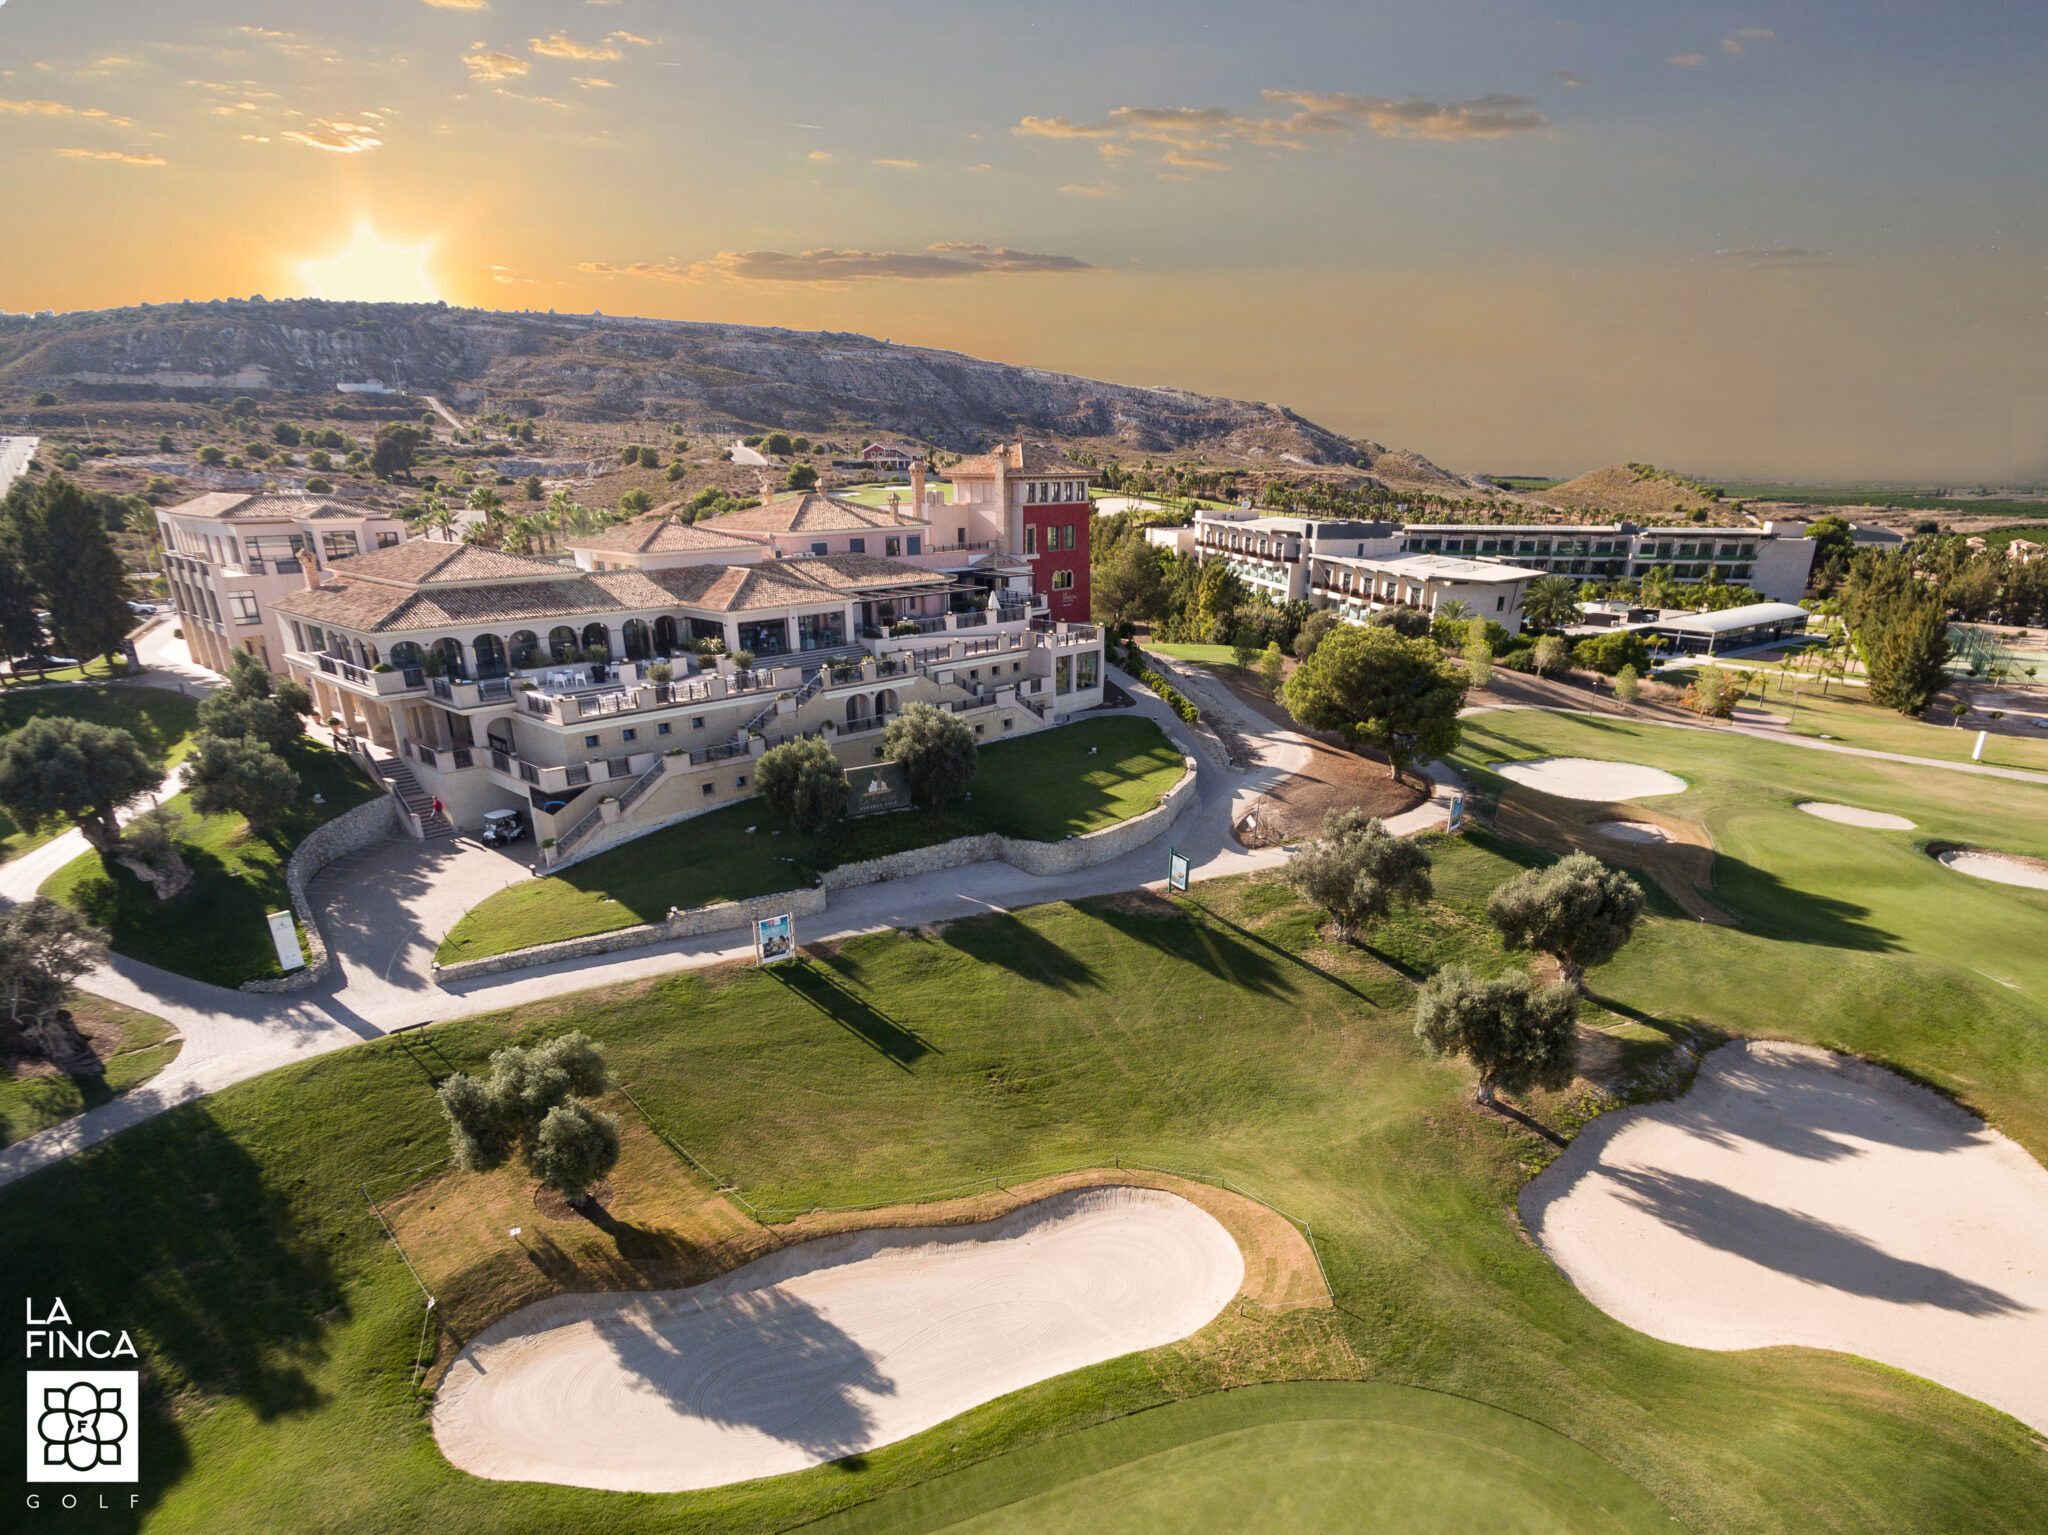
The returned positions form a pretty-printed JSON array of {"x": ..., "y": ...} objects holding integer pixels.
[
  {"x": 161, "y": 721},
  {"x": 1850, "y": 719},
  {"x": 132, "y": 1045},
  {"x": 1304, "y": 1458},
  {"x": 217, "y": 930},
  {"x": 1211, "y": 1033},
  {"x": 1219, "y": 656},
  {"x": 1040, "y": 788}
]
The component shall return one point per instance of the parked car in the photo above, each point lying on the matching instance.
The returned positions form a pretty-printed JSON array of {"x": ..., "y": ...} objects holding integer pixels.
[{"x": 502, "y": 827}]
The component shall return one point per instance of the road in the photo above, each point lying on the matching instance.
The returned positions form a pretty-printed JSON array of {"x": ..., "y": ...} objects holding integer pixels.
[
  {"x": 455, "y": 422},
  {"x": 15, "y": 452}
]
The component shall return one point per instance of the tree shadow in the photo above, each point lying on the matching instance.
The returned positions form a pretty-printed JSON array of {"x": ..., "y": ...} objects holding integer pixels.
[
  {"x": 895, "y": 1042},
  {"x": 1802, "y": 1246},
  {"x": 1526, "y": 1120},
  {"x": 1001, "y": 939},
  {"x": 1816, "y": 1113},
  {"x": 1770, "y": 908},
  {"x": 1263, "y": 942},
  {"x": 1212, "y": 949}
]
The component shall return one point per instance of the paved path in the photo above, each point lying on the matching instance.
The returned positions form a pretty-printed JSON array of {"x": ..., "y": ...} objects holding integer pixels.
[
  {"x": 15, "y": 452},
  {"x": 454, "y": 421}
]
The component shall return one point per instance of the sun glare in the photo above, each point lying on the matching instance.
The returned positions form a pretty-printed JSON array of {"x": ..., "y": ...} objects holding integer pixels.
[{"x": 372, "y": 270}]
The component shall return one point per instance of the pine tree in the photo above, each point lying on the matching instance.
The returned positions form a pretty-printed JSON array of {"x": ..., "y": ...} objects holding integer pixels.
[{"x": 60, "y": 539}]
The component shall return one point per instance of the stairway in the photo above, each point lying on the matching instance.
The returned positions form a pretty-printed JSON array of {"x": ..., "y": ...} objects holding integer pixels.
[{"x": 432, "y": 822}]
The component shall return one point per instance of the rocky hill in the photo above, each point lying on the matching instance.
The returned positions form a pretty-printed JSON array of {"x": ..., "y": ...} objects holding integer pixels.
[
  {"x": 710, "y": 378},
  {"x": 1639, "y": 491}
]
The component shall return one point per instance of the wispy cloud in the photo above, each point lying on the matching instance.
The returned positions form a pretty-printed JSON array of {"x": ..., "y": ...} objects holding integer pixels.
[
  {"x": 1775, "y": 257},
  {"x": 558, "y": 45},
  {"x": 491, "y": 67},
  {"x": 827, "y": 267},
  {"x": 897, "y": 165},
  {"x": 1742, "y": 37},
  {"x": 60, "y": 109},
  {"x": 458, "y": 5},
  {"x": 594, "y": 83},
  {"x": 111, "y": 154},
  {"x": 335, "y": 138},
  {"x": 819, "y": 155},
  {"x": 1090, "y": 189},
  {"x": 1570, "y": 80},
  {"x": 1687, "y": 60}
]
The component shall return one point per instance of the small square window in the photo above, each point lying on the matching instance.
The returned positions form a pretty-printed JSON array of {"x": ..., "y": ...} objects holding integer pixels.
[
  {"x": 892, "y": 547},
  {"x": 708, "y": 788},
  {"x": 629, "y": 735},
  {"x": 878, "y": 754},
  {"x": 697, "y": 723},
  {"x": 856, "y": 546},
  {"x": 663, "y": 728},
  {"x": 1009, "y": 724},
  {"x": 740, "y": 782},
  {"x": 590, "y": 740},
  {"x": 819, "y": 546},
  {"x": 916, "y": 543},
  {"x": 980, "y": 730}
]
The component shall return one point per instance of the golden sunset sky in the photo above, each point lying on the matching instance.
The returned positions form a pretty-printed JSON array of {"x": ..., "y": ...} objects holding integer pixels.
[{"x": 1805, "y": 240}]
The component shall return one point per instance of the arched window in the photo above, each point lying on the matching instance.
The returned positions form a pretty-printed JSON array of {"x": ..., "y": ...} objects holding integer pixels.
[
  {"x": 633, "y": 633},
  {"x": 446, "y": 654},
  {"x": 885, "y": 701},
  {"x": 856, "y": 707},
  {"x": 490, "y": 655},
  {"x": 666, "y": 641},
  {"x": 405, "y": 654},
  {"x": 563, "y": 644},
  {"x": 525, "y": 648},
  {"x": 597, "y": 637}
]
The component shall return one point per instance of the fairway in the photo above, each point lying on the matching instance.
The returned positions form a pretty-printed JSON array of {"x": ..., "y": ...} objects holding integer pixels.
[{"x": 1300, "y": 1459}]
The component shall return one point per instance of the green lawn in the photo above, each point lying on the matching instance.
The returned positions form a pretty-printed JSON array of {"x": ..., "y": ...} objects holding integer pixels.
[
  {"x": 1040, "y": 788},
  {"x": 216, "y": 931},
  {"x": 161, "y": 721},
  {"x": 31, "y": 1103},
  {"x": 878, "y": 495},
  {"x": 1302, "y": 1458},
  {"x": 1219, "y": 656},
  {"x": 1848, "y": 718},
  {"x": 1211, "y": 1033}
]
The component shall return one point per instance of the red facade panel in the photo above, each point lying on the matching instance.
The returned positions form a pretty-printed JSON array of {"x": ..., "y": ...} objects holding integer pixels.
[{"x": 1056, "y": 540}]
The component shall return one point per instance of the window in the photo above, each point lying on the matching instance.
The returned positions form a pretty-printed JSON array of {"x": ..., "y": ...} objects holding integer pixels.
[
  {"x": 1031, "y": 538},
  {"x": 1085, "y": 669},
  {"x": 856, "y": 546},
  {"x": 387, "y": 540},
  {"x": 1500, "y": 604},
  {"x": 1072, "y": 529},
  {"x": 740, "y": 782},
  {"x": 979, "y": 730},
  {"x": 243, "y": 606},
  {"x": 916, "y": 543},
  {"x": 892, "y": 547},
  {"x": 709, "y": 787},
  {"x": 697, "y": 723},
  {"x": 663, "y": 728},
  {"x": 962, "y": 538},
  {"x": 1008, "y": 723},
  {"x": 1031, "y": 492},
  {"x": 629, "y": 735},
  {"x": 590, "y": 740},
  {"x": 819, "y": 546},
  {"x": 339, "y": 546},
  {"x": 1062, "y": 580}
]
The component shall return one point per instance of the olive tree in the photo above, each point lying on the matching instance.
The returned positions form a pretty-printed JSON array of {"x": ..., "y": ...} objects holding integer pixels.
[
  {"x": 44, "y": 948},
  {"x": 530, "y": 1106},
  {"x": 59, "y": 771},
  {"x": 1517, "y": 1034},
  {"x": 1358, "y": 871},
  {"x": 1578, "y": 911},
  {"x": 242, "y": 776},
  {"x": 937, "y": 752},
  {"x": 803, "y": 783}
]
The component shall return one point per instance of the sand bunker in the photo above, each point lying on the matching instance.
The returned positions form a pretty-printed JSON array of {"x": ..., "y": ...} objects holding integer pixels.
[
  {"x": 1632, "y": 831},
  {"x": 1590, "y": 778},
  {"x": 1849, "y": 815},
  {"x": 2006, "y": 868},
  {"x": 1800, "y": 1197},
  {"x": 831, "y": 1347}
]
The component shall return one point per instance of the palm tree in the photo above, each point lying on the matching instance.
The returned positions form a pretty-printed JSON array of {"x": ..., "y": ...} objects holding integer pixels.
[
  {"x": 440, "y": 516},
  {"x": 1454, "y": 608},
  {"x": 488, "y": 501},
  {"x": 1550, "y": 602}
]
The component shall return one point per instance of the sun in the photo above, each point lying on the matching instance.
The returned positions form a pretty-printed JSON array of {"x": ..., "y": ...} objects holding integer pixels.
[{"x": 373, "y": 270}]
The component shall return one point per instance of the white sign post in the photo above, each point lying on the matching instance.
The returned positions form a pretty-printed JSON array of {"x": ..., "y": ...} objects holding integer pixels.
[
  {"x": 285, "y": 934},
  {"x": 1978, "y": 754}
]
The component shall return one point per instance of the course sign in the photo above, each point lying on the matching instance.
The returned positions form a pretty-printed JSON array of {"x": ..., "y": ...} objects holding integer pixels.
[
  {"x": 1456, "y": 823},
  {"x": 1176, "y": 869},
  {"x": 774, "y": 939},
  {"x": 285, "y": 934}
]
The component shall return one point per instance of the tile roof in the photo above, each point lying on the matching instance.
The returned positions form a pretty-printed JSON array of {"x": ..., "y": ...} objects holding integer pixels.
[
  {"x": 809, "y": 511},
  {"x": 658, "y": 533},
  {"x": 853, "y": 572},
  {"x": 433, "y": 561},
  {"x": 1027, "y": 458},
  {"x": 242, "y": 506}
]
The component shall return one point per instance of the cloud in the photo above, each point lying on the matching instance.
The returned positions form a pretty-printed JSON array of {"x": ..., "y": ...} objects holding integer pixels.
[
  {"x": 557, "y": 45},
  {"x": 819, "y": 155},
  {"x": 897, "y": 165},
  {"x": 1687, "y": 60},
  {"x": 458, "y": 5},
  {"x": 593, "y": 83},
  {"x": 636, "y": 41},
  {"x": 336, "y": 138},
  {"x": 491, "y": 67},
  {"x": 1196, "y": 138},
  {"x": 1775, "y": 258},
  {"x": 1090, "y": 189},
  {"x": 111, "y": 154},
  {"x": 827, "y": 267},
  {"x": 1742, "y": 37},
  {"x": 59, "y": 109},
  {"x": 1568, "y": 79}
]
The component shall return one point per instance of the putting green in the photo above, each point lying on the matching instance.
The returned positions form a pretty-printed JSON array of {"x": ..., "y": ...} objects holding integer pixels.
[{"x": 1308, "y": 1458}]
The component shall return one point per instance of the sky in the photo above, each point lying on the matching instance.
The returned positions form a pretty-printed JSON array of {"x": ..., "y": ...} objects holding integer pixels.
[{"x": 1799, "y": 241}]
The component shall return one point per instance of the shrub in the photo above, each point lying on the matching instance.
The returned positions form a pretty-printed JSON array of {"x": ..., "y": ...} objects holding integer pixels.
[
  {"x": 937, "y": 752},
  {"x": 1552, "y": 657},
  {"x": 1607, "y": 654},
  {"x": 1357, "y": 871},
  {"x": 1577, "y": 910},
  {"x": 1519, "y": 1035},
  {"x": 319, "y": 487},
  {"x": 803, "y": 784}
]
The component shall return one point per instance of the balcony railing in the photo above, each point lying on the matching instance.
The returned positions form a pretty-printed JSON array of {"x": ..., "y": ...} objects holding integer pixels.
[{"x": 402, "y": 679}]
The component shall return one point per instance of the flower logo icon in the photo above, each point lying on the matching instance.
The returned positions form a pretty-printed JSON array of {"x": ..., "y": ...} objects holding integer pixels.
[{"x": 82, "y": 1426}]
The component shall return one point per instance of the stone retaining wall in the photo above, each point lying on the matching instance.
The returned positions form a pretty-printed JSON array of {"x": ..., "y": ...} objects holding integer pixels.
[
  {"x": 349, "y": 832},
  {"x": 683, "y": 924},
  {"x": 1040, "y": 858}
]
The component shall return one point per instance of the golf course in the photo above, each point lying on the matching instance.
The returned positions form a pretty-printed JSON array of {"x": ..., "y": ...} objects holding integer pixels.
[{"x": 270, "y": 1246}]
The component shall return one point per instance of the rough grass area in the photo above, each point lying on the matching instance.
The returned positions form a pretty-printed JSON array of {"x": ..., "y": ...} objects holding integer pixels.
[
  {"x": 1847, "y": 717},
  {"x": 132, "y": 1046},
  {"x": 161, "y": 721},
  {"x": 216, "y": 931},
  {"x": 1039, "y": 788},
  {"x": 1210, "y": 1033}
]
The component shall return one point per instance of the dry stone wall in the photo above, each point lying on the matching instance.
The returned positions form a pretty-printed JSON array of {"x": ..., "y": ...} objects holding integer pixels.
[
  {"x": 349, "y": 832},
  {"x": 683, "y": 924}
]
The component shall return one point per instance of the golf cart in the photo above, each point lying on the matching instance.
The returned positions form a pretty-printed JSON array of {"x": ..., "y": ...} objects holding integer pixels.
[{"x": 502, "y": 827}]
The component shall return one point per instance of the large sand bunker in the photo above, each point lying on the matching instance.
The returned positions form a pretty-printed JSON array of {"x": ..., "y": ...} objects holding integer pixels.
[
  {"x": 1849, "y": 815},
  {"x": 831, "y": 1347},
  {"x": 1591, "y": 778},
  {"x": 1800, "y": 1197},
  {"x": 2005, "y": 868}
]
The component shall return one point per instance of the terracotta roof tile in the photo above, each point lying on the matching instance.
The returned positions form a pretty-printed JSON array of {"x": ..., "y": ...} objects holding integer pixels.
[
  {"x": 1030, "y": 458},
  {"x": 242, "y": 506},
  {"x": 809, "y": 512},
  {"x": 658, "y": 533}
]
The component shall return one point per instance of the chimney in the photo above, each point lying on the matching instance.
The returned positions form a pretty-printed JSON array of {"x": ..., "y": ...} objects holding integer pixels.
[
  {"x": 1013, "y": 532},
  {"x": 311, "y": 567},
  {"x": 917, "y": 485}
]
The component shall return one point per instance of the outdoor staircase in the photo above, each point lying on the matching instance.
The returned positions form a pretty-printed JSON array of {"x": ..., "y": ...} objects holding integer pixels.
[{"x": 415, "y": 799}]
